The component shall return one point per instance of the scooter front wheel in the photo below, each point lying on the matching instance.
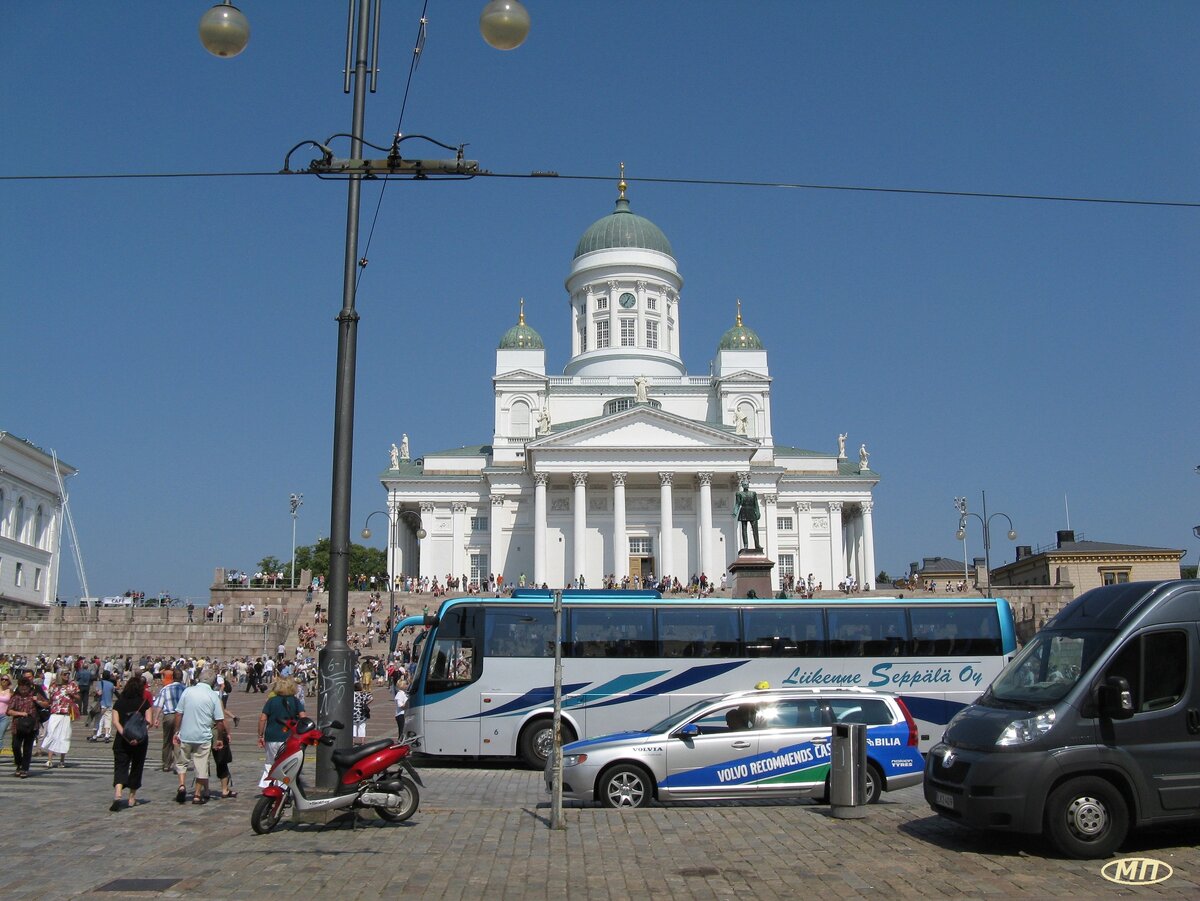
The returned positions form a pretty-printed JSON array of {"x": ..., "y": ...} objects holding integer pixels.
[
  {"x": 267, "y": 813},
  {"x": 410, "y": 800}
]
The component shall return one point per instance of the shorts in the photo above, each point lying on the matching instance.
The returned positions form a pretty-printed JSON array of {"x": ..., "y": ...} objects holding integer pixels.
[{"x": 196, "y": 753}]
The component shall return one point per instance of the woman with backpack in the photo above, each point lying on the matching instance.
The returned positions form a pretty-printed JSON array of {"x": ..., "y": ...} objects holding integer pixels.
[
  {"x": 281, "y": 706},
  {"x": 131, "y": 742}
]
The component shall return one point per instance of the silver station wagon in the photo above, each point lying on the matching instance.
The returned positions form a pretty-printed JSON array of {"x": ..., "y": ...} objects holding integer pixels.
[{"x": 748, "y": 744}]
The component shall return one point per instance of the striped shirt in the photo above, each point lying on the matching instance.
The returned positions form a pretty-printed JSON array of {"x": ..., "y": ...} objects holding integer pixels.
[{"x": 168, "y": 698}]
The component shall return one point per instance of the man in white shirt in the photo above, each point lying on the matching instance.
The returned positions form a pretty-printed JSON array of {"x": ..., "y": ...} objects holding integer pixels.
[{"x": 199, "y": 710}]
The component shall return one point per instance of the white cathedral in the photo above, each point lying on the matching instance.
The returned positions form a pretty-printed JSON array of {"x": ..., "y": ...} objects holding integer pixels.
[{"x": 625, "y": 465}]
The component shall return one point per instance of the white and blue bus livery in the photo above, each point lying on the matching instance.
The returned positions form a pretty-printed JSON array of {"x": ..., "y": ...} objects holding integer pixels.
[{"x": 483, "y": 680}]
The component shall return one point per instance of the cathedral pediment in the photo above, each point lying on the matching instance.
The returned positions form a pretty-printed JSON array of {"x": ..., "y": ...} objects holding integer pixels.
[
  {"x": 744, "y": 375},
  {"x": 519, "y": 375},
  {"x": 642, "y": 427}
]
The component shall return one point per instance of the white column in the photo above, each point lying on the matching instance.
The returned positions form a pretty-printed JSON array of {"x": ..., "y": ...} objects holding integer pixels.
[
  {"x": 869, "y": 543},
  {"x": 579, "y": 565},
  {"x": 495, "y": 564},
  {"x": 427, "y": 561},
  {"x": 803, "y": 538},
  {"x": 706, "y": 558},
  {"x": 770, "y": 511},
  {"x": 620, "y": 535},
  {"x": 457, "y": 516},
  {"x": 539, "y": 527},
  {"x": 666, "y": 517},
  {"x": 837, "y": 553}
]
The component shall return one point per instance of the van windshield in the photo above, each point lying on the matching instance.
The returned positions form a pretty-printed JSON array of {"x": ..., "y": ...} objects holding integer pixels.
[{"x": 1047, "y": 668}]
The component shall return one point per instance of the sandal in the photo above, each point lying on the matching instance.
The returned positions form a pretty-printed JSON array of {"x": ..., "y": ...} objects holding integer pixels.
[
  {"x": 225, "y": 796},
  {"x": 199, "y": 800}
]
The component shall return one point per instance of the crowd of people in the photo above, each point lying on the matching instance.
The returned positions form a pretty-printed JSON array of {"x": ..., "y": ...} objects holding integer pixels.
[{"x": 121, "y": 701}]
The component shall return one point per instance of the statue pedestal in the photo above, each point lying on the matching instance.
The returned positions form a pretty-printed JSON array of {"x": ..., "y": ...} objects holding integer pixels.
[{"x": 751, "y": 571}]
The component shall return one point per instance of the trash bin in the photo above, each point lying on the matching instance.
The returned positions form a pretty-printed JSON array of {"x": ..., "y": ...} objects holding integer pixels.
[{"x": 848, "y": 771}]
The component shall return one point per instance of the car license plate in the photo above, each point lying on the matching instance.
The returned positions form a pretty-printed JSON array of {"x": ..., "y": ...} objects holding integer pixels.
[{"x": 944, "y": 799}]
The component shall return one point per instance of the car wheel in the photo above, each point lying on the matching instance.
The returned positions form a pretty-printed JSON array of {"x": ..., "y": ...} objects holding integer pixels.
[
  {"x": 1086, "y": 818},
  {"x": 875, "y": 784},
  {"x": 625, "y": 785},
  {"x": 537, "y": 742}
]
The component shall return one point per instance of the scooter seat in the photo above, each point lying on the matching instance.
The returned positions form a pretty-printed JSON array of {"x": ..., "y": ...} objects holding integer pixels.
[{"x": 357, "y": 753}]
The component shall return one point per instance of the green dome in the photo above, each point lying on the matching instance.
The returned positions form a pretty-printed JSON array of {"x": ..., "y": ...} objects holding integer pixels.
[
  {"x": 740, "y": 337},
  {"x": 623, "y": 228},
  {"x": 522, "y": 336}
]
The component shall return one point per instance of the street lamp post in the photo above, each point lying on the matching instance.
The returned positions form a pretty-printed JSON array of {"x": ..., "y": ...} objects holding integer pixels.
[
  {"x": 960, "y": 504},
  {"x": 392, "y": 516},
  {"x": 986, "y": 522},
  {"x": 225, "y": 32},
  {"x": 296, "y": 500}
]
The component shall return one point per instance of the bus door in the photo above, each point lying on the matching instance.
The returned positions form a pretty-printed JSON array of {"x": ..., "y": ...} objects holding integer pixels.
[
  {"x": 718, "y": 758},
  {"x": 451, "y": 700}
]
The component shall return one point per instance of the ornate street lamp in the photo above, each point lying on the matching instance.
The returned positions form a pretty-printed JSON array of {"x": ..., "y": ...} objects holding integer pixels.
[
  {"x": 225, "y": 32},
  {"x": 986, "y": 522}
]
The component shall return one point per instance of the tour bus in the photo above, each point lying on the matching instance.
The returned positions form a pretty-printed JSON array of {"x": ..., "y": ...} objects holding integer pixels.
[{"x": 484, "y": 674}]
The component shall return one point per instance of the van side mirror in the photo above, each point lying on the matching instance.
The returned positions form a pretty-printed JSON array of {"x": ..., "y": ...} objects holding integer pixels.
[
  {"x": 431, "y": 620},
  {"x": 691, "y": 730},
  {"x": 1116, "y": 698}
]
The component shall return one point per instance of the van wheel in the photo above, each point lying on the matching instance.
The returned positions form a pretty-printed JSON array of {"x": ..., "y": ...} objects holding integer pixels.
[
  {"x": 537, "y": 741},
  {"x": 1087, "y": 818},
  {"x": 625, "y": 785}
]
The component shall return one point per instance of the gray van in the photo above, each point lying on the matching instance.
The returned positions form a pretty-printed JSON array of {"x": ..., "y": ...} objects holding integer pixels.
[{"x": 1092, "y": 728}]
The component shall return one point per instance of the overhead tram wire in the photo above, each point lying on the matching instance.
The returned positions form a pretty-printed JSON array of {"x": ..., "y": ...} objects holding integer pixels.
[{"x": 702, "y": 182}]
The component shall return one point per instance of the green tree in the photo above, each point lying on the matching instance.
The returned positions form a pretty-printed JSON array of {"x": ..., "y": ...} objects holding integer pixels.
[
  {"x": 270, "y": 565},
  {"x": 883, "y": 578},
  {"x": 370, "y": 561}
]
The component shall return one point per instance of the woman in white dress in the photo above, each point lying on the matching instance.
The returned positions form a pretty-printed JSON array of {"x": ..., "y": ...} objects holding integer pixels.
[{"x": 64, "y": 695}]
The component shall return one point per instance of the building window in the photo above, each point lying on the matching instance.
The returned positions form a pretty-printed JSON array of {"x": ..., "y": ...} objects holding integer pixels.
[
  {"x": 784, "y": 523},
  {"x": 628, "y": 332},
  {"x": 651, "y": 303},
  {"x": 519, "y": 416},
  {"x": 38, "y": 526},
  {"x": 639, "y": 547},
  {"x": 601, "y": 333},
  {"x": 479, "y": 523},
  {"x": 602, "y": 302},
  {"x": 37, "y": 579},
  {"x": 652, "y": 334},
  {"x": 479, "y": 565},
  {"x": 19, "y": 579},
  {"x": 787, "y": 569},
  {"x": 18, "y": 529},
  {"x": 3, "y": 517},
  {"x": 1114, "y": 576},
  {"x": 582, "y": 335}
]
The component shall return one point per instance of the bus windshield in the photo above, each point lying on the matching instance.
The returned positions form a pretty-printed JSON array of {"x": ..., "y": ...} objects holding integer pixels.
[{"x": 1047, "y": 668}]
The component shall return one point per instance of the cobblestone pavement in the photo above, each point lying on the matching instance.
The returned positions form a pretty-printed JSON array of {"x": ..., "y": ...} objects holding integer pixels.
[{"x": 482, "y": 831}]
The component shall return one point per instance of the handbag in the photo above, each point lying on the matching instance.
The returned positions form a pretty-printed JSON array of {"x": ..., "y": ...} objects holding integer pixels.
[
  {"x": 43, "y": 714},
  {"x": 135, "y": 729}
]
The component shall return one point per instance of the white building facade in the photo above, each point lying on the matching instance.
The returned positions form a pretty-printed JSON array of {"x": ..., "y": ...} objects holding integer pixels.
[
  {"x": 31, "y": 515},
  {"x": 625, "y": 465}
]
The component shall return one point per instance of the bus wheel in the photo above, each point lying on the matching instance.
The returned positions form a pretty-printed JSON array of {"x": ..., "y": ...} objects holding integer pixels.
[
  {"x": 537, "y": 741},
  {"x": 1087, "y": 818},
  {"x": 625, "y": 785}
]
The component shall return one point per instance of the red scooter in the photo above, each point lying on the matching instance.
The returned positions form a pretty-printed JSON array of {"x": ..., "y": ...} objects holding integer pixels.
[{"x": 375, "y": 775}]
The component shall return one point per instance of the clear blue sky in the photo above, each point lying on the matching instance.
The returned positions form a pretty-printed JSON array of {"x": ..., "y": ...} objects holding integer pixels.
[{"x": 175, "y": 340}]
